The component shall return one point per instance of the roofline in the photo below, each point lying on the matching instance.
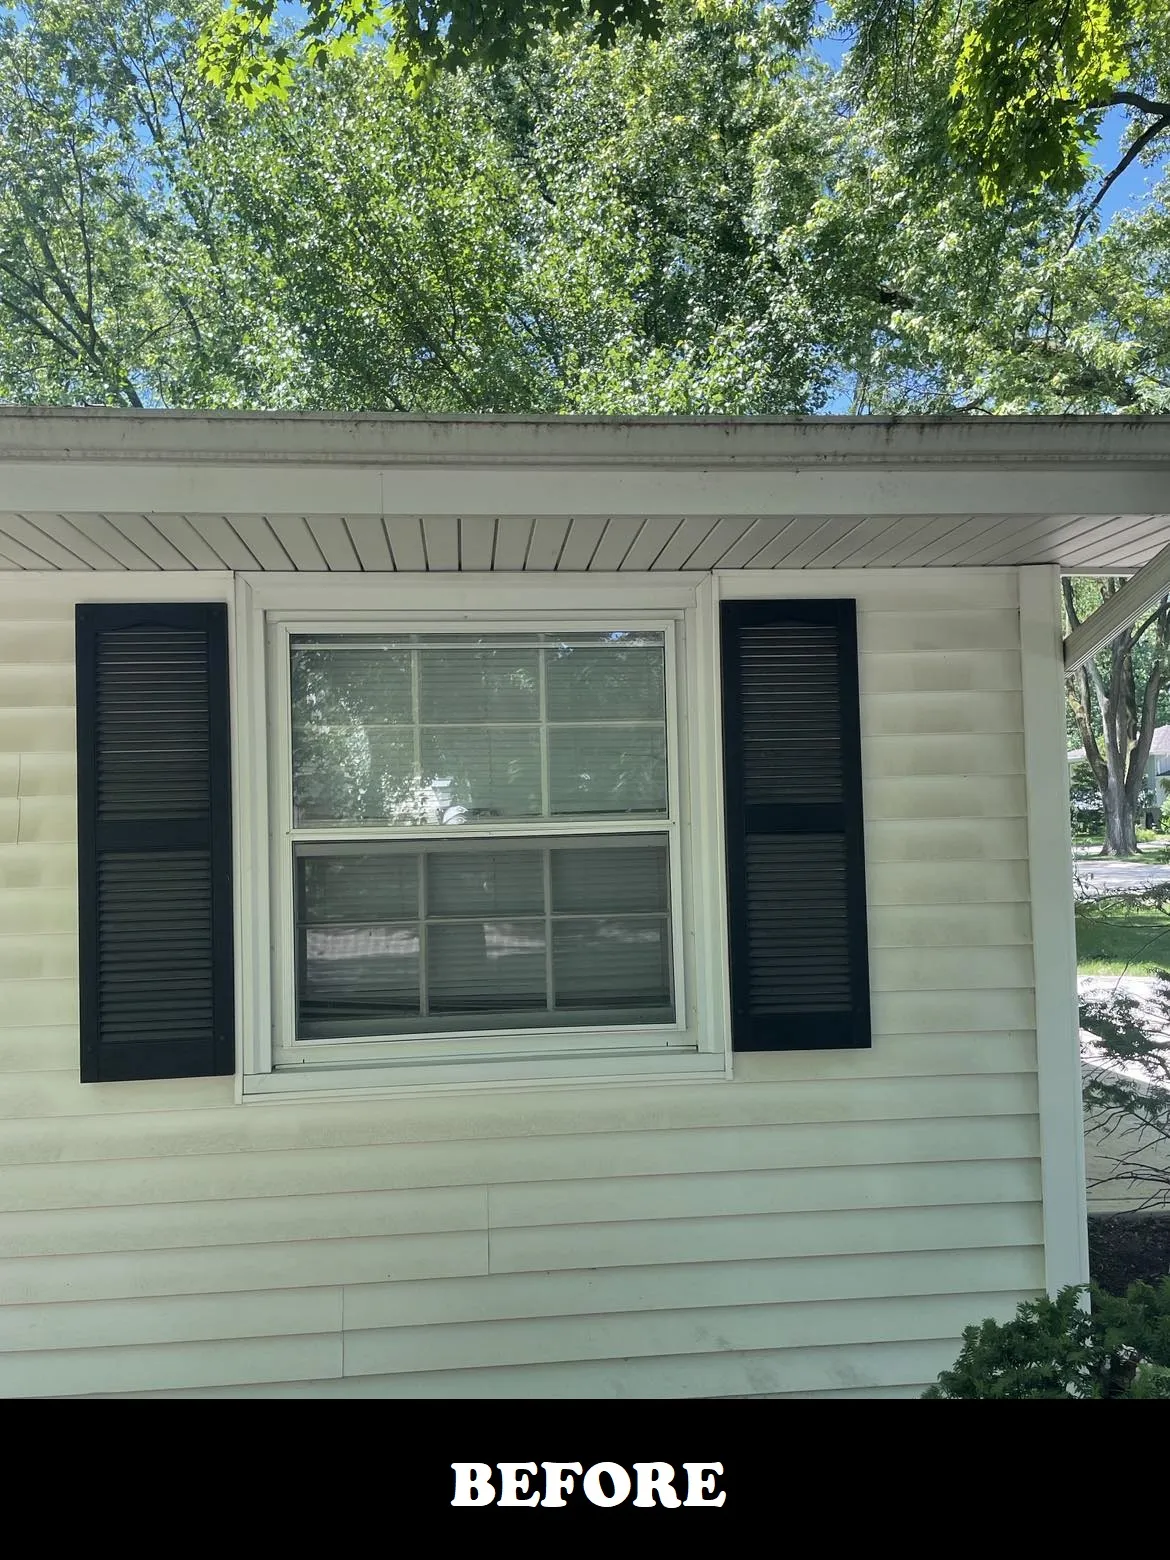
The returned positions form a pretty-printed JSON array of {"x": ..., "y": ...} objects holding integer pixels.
[{"x": 66, "y": 434}]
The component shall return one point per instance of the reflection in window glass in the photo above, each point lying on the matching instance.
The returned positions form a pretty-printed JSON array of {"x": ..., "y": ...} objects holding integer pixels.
[
  {"x": 415, "y": 731},
  {"x": 397, "y": 940}
]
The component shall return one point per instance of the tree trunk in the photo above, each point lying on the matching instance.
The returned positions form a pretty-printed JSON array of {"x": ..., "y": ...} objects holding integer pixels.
[{"x": 1120, "y": 823}]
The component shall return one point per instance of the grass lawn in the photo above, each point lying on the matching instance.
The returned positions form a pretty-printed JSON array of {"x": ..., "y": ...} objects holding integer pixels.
[{"x": 1124, "y": 940}]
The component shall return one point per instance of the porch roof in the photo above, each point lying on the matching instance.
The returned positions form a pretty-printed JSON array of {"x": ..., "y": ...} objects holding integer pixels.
[{"x": 113, "y": 489}]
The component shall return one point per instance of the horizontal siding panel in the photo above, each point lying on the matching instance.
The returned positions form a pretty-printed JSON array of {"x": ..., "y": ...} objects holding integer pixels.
[
  {"x": 971, "y": 840},
  {"x": 25, "y": 606},
  {"x": 9, "y": 775},
  {"x": 40, "y": 1048},
  {"x": 27, "y": 684},
  {"x": 951, "y": 1012},
  {"x": 176, "y": 1130},
  {"x": 305, "y": 1264},
  {"x": 753, "y": 1373},
  {"x": 43, "y": 638},
  {"x": 36, "y": 1002},
  {"x": 75, "y": 1372},
  {"x": 244, "y": 1221},
  {"x": 838, "y": 1232},
  {"x": 899, "y": 1056},
  {"x": 594, "y": 1292},
  {"x": 729, "y": 1195},
  {"x": 47, "y": 818},
  {"x": 44, "y": 731},
  {"x": 952, "y": 590},
  {"x": 924, "y": 754},
  {"x": 945, "y": 671},
  {"x": 54, "y": 1094},
  {"x": 50, "y": 911},
  {"x": 272, "y": 1313},
  {"x": 946, "y": 969},
  {"x": 549, "y": 1340},
  {"x": 951, "y": 926},
  {"x": 46, "y": 956},
  {"x": 944, "y": 883},
  {"x": 9, "y": 820},
  {"x": 889, "y": 632},
  {"x": 48, "y": 774},
  {"x": 909, "y": 714},
  {"x": 52, "y": 865},
  {"x": 297, "y": 1171},
  {"x": 950, "y": 796}
]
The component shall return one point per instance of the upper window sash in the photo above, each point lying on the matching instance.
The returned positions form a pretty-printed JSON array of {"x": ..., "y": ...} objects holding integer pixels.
[{"x": 285, "y": 631}]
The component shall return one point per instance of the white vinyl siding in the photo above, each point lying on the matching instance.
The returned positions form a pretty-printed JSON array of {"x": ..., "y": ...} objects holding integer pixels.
[{"x": 823, "y": 1224}]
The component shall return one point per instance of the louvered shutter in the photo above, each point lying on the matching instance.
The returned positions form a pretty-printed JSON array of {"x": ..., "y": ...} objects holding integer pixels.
[
  {"x": 154, "y": 842},
  {"x": 795, "y": 850}
]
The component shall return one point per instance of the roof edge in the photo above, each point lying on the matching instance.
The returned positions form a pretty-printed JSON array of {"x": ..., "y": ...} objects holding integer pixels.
[{"x": 310, "y": 438}]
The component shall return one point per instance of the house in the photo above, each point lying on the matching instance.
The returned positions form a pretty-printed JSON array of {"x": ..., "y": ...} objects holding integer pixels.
[{"x": 503, "y": 907}]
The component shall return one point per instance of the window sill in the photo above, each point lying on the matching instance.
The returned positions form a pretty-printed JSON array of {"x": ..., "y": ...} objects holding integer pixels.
[{"x": 400, "y": 1081}]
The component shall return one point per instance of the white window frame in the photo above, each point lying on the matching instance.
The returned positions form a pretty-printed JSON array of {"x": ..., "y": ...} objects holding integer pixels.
[{"x": 268, "y": 608}]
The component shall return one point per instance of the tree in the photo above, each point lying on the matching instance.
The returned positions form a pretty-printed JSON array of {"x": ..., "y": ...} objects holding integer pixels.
[
  {"x": 712, "y": 220},
  {"x": 1116, "y": 709},
  {"x": 242, "y": 52},
  {"x": 123, "y": 278},
  {"x": 1026, "y": 82}
]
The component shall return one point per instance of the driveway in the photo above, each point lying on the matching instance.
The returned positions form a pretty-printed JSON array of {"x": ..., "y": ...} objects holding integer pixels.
[{"x": 1106, "y": 876}]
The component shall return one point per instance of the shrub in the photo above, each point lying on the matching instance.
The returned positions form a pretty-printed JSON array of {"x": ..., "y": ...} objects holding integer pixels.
[{"x": 1058, "y": 1348}]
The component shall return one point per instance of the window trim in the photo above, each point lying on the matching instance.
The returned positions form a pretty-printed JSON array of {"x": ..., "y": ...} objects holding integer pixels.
[{"x": 698, "y": 1045}]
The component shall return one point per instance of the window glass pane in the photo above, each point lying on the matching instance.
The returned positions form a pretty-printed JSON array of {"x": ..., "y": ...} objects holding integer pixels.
[
  {"x": 486, "y": 967},
  {"x": 363, "y": 774},
  {"x": 607, "y": 770},
  {"x": 344, "y": 885},
  {"x": 612, "y": 962},
  {"x": 352, "y": 738},
  {"x": 597, "y": 879},
  {"x": 605, "y": 684},
  {"x": 476, "y": 883},
  {"x": 356, "y": 980},
  {"x": 457, "y": 686},
  {"x": 350, "y": 683},
  {"x": 483, "y": 772}
]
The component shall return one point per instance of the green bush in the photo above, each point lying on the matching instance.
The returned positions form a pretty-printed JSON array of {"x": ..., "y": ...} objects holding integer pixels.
[{"x": 1119, "y": 1347}]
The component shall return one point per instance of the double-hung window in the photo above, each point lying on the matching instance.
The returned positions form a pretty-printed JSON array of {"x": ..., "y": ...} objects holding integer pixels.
[{"x": 478, "y": 852}]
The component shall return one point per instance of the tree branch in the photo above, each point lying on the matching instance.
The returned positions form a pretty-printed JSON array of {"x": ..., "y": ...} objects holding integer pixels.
[{"x": 1139, "y": 146}]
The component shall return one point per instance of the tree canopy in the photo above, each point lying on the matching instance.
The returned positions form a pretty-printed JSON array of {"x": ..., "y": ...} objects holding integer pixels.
[
  {"x": 712, "y": 219},
  {"x": 1023, "y": 83}
]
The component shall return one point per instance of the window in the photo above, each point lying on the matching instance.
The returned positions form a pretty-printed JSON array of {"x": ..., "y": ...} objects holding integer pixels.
[
  {"x": 478, "y": 846},
  {"x": 467, "y": 740}
]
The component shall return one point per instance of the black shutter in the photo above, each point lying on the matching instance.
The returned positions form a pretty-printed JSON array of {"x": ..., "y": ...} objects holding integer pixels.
[
  {"x": 154, "y": 842},
  {"x": 795, "y": 848}
]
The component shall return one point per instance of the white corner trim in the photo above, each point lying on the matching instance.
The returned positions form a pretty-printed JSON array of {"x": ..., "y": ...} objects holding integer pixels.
[{"x": 1062, "y": 1136}]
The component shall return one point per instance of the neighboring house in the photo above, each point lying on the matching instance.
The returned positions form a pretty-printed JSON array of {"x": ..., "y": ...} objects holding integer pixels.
[{"x": 468, "y": 960}]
